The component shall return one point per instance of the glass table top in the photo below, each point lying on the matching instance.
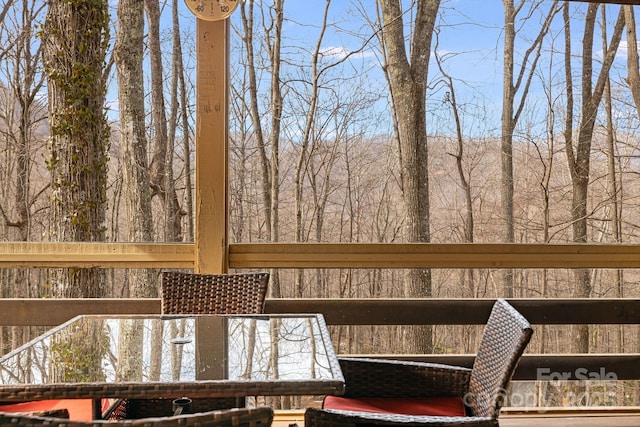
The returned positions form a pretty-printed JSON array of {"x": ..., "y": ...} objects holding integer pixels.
[{"x": 176, "y": 349}]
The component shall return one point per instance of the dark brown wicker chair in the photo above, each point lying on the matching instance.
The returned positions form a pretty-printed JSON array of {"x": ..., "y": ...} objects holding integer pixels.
[
  {"x": 195, "y": 293},
  {"x": 246, "y": 417},
  {"x": 51, "y": 413},
  {"x": 481, "y": 390}
]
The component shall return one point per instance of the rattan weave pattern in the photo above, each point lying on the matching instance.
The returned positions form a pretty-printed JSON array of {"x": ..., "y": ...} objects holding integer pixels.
[
  {"x": 327, "y": 418},
  {"x": 243, "y": 417},
  {"x": 391, "y": 378},
  {"x": 506, "y": 335},
  {"x": 196, "y": 293},
  {"x": 193, "y": 390}
]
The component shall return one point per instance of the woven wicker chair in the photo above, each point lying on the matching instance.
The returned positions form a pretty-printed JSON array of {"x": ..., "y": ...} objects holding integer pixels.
[
  {"x": 247, "y": 417},
  {"x": 195, "y": 293},
  {"x": 480, "y": 390},
  {"x": 50, "y": 413}
]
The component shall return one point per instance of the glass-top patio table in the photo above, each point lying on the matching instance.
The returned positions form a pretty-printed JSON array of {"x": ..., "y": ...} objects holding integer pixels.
[{"x": 159, "y": 356}]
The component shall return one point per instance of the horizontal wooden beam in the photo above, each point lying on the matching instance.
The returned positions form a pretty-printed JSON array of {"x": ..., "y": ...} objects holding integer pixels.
[
  {"x": 51, "y": 312},
  {"x": 437, "y": 311},
  {"x": 105, "y": 255},
  {"x": 605, "y": 366},
  {"x": 432, "y": 255},
  {"x": 320, "y": 255}
]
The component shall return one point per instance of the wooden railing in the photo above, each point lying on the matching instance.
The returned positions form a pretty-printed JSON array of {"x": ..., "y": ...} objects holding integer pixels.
[
  {"x": 48, "y": 312},
  {"x": 323, "y": 255}
]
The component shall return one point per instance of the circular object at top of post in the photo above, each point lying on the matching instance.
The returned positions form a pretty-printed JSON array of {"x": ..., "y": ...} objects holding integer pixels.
[{"x": 212, "y": 10}]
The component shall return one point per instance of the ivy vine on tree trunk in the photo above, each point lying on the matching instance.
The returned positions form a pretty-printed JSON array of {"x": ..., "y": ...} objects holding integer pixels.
[{"x": 75, "y": 38}]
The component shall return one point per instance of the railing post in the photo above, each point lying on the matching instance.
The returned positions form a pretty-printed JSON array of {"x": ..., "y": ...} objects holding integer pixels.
[{"x": 212, "y": 89}]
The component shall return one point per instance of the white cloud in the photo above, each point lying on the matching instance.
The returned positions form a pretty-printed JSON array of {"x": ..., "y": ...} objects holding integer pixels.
[
  {"x": 623, "y": 50},
  {"x": 339, "y": 52}
]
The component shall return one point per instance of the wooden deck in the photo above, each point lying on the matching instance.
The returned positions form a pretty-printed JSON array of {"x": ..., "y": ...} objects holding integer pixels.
[
  {"x": 575, "y": 420},
  {"x": 613, "y": 418}
]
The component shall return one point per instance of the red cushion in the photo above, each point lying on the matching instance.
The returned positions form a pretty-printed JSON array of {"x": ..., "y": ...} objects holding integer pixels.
[
  {"x": 437, "y": 406},
  {"x": 79, "y": 409}
]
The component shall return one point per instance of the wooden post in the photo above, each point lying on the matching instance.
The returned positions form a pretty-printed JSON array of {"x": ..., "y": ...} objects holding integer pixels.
[
  {"x": 212, "y": 338},
  {"x": 212, "y": 91}
]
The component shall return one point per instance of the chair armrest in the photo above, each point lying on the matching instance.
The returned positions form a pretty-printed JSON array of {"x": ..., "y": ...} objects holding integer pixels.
[
  {"x": 391, "y": 378},
  {"x": 324, "y": 417}
]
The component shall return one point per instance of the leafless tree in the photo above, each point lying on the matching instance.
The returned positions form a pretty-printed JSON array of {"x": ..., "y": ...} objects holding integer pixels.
[
  {"x": 268, "y": 142},
  {"x": 161, "y": 173},
  {"x": 74, "y": 60},
  {"x": 633, "y": 62},
  {"x": 128, "y": 53},
  {"x": 5, "y": 35},
  {"x": 21, "y": 130},
  {"x": 179, "y": 117},
  {"x": 407, "y": 74},
  {"x": 515, "y": 82},
  {"x": 467, "y": 275},
  {"x": 579, "y": 150}
]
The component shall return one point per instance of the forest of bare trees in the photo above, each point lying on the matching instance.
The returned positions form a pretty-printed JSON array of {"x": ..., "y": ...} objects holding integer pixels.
[{"x": 358, "y": 121}]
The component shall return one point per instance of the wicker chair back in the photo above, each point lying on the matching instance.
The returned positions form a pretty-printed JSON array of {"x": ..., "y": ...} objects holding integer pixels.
[
  {"x": 195, "y": 293},
  {"x": 505, "y": 337}
]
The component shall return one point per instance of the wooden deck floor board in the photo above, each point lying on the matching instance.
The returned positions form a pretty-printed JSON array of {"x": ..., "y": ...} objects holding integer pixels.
[{"x": 572, "y": 421}]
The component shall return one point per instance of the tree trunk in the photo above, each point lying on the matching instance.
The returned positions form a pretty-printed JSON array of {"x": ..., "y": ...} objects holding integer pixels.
[
  {"x": 128, "y": 53},
  {"x": 270, "y": 163},
  {"x": 178, "y": 107},
  {"x": 76, "y": 38},
  {"x": 21, "y": 112},
  {"x": 633, "y": 66},
  {"x": 408, "y": 81},
  {"x": 508, "y": 126},
  {"x": 633, "y": 81},
  {"x": 578, "y": 155},
  {"x": 304, "y": 163},
  {"x": 514, "y": 82},
  {"x": 160, "y": 170},
  {"x": 615, "y": 207},
  {"x": 247, "y": 13}
]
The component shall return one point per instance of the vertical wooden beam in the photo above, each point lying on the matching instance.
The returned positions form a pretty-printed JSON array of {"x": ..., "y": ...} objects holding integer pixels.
[
  {"x": 212, "y": 89},
  {"x": 212, "y": 338}
]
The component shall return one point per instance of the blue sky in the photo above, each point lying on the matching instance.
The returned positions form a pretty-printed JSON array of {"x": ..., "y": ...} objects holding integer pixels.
[
  {"x": 471, "y": 32},
  {"x": 472, "y": 27}
]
